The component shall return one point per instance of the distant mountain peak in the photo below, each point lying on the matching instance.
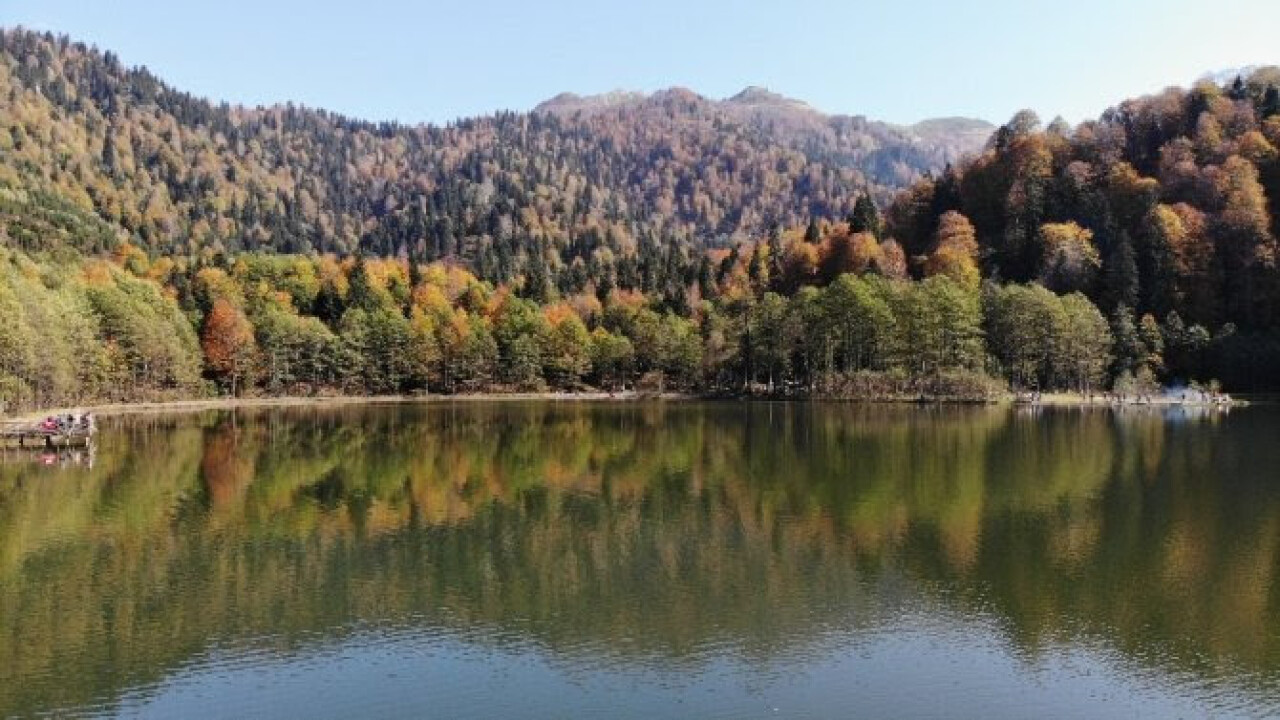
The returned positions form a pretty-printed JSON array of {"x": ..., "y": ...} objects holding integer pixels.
[
  {"x": 757, "y": 96},
  {"x": 876, "y": 148},
  {"x": 567, "y": 102},
  {"x": 753, "y": 97},
  {"x": 754, "y": 92},
  {"x": 677, "y": 93}
]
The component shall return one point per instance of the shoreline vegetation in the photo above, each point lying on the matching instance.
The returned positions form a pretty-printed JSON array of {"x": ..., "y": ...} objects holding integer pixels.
[
  {"x": 194, "y": 405},
  {"x": 86, "y": 331}
]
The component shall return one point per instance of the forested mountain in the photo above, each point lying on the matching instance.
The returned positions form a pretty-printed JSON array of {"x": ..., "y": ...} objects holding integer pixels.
[
  {"x": 889, "y": 156},
  {"x": 81, "y": 134},
  {"x": 160, "y": 246}
]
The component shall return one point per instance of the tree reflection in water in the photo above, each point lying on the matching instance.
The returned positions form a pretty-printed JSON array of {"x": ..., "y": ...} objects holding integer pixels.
[{"x": 638, "y": 533}]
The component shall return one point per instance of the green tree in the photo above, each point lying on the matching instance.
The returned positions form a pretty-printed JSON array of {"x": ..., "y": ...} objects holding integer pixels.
[
  {"x": 812, "y": 233},
  {"x": 1152, "y": 338},
  {"x": 942, "y": 326},
  {"x": 568, "y": 352},
  {"x": 17, "y": 348},
  {"x": 1023, "y": 332},
  {"x": 612, "y": 358},
  {"x": 1130, "y": 352},
  {"x": 866, "y": 217},
  {"x": 862, "y": 322},
  {"x": 1085, "y": 348},
  {"x": 771, "y": 339},
  {"x": 810, "y": 326},
  {"x": 1185, "y": 347},
  {"x": 1120, "y": 275},
  {"x": 680, "y": 351},
  {"x": 521, "y": 333}
]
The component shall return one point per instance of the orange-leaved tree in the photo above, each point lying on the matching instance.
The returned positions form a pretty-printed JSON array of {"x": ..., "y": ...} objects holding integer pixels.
[{"x": 228, "y": 344}]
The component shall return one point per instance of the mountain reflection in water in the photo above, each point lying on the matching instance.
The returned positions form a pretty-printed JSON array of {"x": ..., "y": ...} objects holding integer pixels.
[{"x": 641, "y": 559}]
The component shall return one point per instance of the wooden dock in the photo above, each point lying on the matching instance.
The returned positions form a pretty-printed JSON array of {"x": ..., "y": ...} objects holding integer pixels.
[{"x": 41, "y": 435}]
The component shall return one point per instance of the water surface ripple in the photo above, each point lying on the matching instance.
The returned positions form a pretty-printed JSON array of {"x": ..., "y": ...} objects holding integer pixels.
[{"x": 718, "y": 560}]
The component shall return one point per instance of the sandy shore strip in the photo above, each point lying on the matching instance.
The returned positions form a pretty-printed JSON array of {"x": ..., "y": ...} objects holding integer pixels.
[{"x": 327, "y": 401}]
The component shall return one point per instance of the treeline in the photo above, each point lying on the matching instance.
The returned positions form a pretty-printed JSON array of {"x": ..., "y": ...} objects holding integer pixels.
[
  {"x": 1166, "y": 206},
  {"x": 509, "y": 194},
  {"x": 290, "y": 250},
  {"x": 128, "y": 328}
]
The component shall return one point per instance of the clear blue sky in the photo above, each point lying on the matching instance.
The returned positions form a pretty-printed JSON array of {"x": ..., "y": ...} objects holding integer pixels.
[{"x": 893, "y": 60}]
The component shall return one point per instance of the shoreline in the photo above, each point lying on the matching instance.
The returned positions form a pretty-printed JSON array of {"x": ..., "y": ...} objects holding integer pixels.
[
  {"x": 1098, "y": 400},
  {"x": 1054, "y": 400},
  {"x": 326, "y": 401}
]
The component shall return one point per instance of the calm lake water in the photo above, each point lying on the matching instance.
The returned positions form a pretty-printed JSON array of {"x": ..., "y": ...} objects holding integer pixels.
[{"x": 648, "y": 560}]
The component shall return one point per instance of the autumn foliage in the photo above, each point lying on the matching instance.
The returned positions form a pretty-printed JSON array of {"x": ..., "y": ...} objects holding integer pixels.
[
  {"x": 228, "y": 344},
  {"x": 157, "y": 246}
]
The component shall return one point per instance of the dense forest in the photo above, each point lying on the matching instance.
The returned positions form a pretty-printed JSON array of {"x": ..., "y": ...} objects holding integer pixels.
[
  {"x": 1164, "y": 210},
  {"x": 155, "y": 245},
  {"x": 127, "y": 328},
  {"x": 175, "y": 174}
]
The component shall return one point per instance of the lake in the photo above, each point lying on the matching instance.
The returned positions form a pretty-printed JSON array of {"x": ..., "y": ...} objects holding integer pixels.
[{"x": 637, "y": 560}]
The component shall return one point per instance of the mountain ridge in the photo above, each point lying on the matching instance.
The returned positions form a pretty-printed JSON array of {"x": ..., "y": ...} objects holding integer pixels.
[
  {"x": 751, "y": 95},
  {"x": 759, "y": 99}
]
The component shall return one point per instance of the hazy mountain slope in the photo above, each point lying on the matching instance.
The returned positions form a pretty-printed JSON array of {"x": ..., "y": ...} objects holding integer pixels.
[{"x": 889, "y": 155}]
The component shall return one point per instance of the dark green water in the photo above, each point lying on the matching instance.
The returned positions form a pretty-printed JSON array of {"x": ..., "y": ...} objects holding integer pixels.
[{"x": 678, "y": 560}]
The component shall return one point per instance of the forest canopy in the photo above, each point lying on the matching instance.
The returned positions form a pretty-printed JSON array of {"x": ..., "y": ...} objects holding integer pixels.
[
  {"x": 81, "y": 133},
  {"x": 156, "y": 245},
  {"x": 1164, "y": 212}
]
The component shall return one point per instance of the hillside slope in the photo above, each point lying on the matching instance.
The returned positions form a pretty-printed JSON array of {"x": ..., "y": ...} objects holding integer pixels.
[
  {"x": 890, "y": 156},
  {"x": 86, "y": 141}
]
